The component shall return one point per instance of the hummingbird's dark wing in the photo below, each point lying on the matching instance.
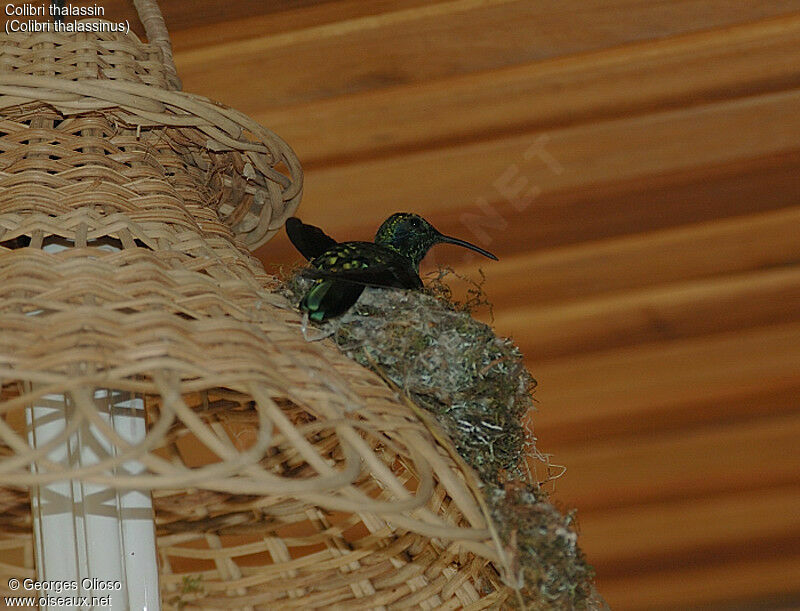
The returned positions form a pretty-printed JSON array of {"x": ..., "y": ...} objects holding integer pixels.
[
  {"x": 365, "y": 264},
  {"x": 330, "y": 298},
  {"x": 311, "y": 241}
]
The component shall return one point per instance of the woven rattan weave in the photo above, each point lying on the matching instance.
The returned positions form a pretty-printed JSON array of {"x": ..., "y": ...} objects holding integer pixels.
[{"x": 283, "y": 475}]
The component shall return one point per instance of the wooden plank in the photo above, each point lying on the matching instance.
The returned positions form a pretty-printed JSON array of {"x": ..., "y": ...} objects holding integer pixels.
[
  {"x": 533, "y": 165},
  {"x": 702, "y": 499},
  {"x": 183, "y": 14},
  {"x": 773, "y": 398},
  {"x": 618, "y": 383},
  {"x": 638, "y": 205},
  {"x": 599, "y": 212},
  {"x": 696, "y": 251},
  {"x": 746, "y": 582},
  {"x": 643, "y": 77},
  {"x": 655, "y": 468},
  {"x": 642, "y": 534},
  {"x": 434, "y": 41},
  {"x": 225, "y": 26},
  {"x": 700, "y": 535},
  {"x": 663, "y": 312}
]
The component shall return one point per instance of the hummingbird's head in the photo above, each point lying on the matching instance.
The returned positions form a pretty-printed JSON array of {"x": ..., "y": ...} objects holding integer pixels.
[{"x": 412, "y": 236}]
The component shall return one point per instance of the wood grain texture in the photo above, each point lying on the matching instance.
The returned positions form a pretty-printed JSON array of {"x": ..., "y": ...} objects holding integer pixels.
[
  {"x": 689, "y": 463},
  {"x": 634, "y": 380},
  {"x": 636, "y": 165},
  {"x": 686, "y": 70},
  {"x": 685, "y": 252},
  {"x": 411, "y": 44},
  {"x": 531, "y": 165},
  {"x": 668, "y": 310}
]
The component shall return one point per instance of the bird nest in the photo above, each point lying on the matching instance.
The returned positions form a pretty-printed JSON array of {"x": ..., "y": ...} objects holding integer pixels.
[
  {"x": 475, "y": 390},
  {"x": 282, "y": 473}
]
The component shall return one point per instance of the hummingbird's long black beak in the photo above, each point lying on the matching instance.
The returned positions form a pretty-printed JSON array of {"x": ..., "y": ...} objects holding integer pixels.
[{"x": 450, "y": 240}]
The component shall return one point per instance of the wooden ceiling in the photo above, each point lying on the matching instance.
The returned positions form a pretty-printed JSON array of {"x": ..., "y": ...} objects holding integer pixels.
[{"x": 636, "y": 166}]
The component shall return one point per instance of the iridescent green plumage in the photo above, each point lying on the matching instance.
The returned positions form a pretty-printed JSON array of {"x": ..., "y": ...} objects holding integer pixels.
[{"x": 343, "y": 270}]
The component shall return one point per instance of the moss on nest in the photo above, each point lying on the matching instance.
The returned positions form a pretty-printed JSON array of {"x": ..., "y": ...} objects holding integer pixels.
[
  {"x": 554, "y": 571},
  {"x": 478, "y": 389}
]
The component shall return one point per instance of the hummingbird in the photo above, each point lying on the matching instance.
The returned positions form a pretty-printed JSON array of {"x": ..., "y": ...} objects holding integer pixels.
[{"x": 341, "y": 271}]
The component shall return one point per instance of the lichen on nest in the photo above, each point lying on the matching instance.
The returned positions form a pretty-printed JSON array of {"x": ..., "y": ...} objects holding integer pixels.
[{"x": 478, "y": 389}]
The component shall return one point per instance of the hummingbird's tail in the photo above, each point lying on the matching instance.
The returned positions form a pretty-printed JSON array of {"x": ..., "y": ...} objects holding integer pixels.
[{"x": 329, "y": 298}]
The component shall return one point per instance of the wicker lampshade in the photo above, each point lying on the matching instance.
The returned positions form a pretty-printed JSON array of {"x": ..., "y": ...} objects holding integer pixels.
[{"x": 283, "y": 475}]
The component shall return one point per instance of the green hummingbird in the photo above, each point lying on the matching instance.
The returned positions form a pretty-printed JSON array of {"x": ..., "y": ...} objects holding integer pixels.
[{"x": 342, "y": 270}]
